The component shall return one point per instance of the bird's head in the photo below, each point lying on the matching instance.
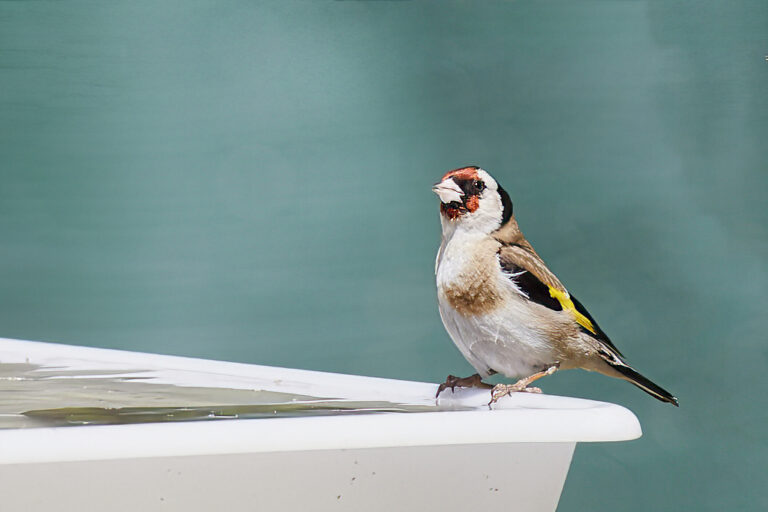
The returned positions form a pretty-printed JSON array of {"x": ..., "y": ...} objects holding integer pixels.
[{"x": 470, "y": 199}]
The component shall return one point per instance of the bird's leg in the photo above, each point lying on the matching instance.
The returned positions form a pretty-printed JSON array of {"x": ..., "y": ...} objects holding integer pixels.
[
  {"x": 473, "y": 381},
  {"x": 502, "y": 390}
]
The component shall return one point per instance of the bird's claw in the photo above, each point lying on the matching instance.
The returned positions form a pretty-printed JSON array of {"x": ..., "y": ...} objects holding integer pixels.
[
  {"x": 450, "y": 382},
  {"x": 501, "y": 390},
  {"x": 474, "y": 381}
]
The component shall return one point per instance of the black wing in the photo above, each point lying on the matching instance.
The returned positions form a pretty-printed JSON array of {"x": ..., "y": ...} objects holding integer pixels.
[
  {"x": 544, "y": 295},
  {"x": 598, "y": 334}
]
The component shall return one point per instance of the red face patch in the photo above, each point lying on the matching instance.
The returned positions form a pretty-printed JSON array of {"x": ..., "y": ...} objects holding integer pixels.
[
  {"x": 473, "y": 203},
  {"x": 452, "y": 212},
  {"x": 456, "y": 210},
  {"x": 466, "y": 173}
]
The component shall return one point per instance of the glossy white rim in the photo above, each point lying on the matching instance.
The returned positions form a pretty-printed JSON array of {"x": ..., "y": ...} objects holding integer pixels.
[{"x": 521, "y": 418}]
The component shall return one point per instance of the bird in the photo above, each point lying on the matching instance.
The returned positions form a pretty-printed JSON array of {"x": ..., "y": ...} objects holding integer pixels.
[{"x": 504, "y": 309}]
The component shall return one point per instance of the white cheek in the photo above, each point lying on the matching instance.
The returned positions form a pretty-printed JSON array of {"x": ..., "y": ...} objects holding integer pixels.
[{"x": 487, "y": 217}]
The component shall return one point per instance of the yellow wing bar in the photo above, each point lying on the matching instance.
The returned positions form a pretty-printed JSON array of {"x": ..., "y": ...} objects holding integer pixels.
[{"x": 565, "y": 301}]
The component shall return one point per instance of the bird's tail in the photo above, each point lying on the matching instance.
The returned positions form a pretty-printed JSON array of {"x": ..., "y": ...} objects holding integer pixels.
[{"x": 646, "y": 385}]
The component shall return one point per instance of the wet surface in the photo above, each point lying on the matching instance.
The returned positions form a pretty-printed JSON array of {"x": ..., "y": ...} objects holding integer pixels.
[{"x": 37, "y": 396}]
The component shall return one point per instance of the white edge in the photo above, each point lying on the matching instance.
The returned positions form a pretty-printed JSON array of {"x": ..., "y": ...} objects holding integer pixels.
[
  {"x": 316, "y": 433},
  {"x": 521, "y": 418}
]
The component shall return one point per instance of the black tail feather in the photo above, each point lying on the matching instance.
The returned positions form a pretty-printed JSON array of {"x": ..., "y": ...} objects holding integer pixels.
[{"x": 646, "y": 385}]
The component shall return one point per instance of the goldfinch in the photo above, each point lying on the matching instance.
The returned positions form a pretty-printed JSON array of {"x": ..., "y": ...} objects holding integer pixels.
[{"x": 504, "y": 309}]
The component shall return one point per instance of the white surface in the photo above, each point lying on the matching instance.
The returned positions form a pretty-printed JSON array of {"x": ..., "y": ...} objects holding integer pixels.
[
  {"x": 508, "y": 477},
  {"x": 311, "y": 433},
  {"x": 522, "y": 417},
  {"x": 515, "y": 456}
]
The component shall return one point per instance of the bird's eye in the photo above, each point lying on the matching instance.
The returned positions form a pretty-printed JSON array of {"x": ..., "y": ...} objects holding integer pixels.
[{"x": 479, "y": 185}]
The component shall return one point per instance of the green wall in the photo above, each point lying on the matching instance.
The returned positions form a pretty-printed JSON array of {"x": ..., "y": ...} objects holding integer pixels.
[{"x": 250, "y": 181}]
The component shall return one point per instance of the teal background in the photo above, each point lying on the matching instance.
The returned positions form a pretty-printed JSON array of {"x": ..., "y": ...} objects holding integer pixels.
[{"x": 250, "y": 181}]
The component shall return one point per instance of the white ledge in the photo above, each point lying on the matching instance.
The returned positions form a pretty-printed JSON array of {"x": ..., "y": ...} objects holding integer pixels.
[{"x": 520, "y": 418}]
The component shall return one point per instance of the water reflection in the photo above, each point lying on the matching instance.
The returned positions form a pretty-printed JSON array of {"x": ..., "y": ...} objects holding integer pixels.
[{"x": 37, "y": 396}]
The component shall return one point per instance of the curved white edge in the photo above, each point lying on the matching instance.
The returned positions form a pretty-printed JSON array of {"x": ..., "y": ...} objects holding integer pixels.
[
  {"x": 604, "y": 423},
  {"x": 520, "y": 418}
]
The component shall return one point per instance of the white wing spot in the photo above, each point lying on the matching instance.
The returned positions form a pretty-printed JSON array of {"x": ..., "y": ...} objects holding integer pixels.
[{"x": 512, "y": 276}]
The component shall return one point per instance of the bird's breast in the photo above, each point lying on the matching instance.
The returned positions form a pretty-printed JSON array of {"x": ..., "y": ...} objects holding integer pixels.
[{"x": 468, "y": 277}]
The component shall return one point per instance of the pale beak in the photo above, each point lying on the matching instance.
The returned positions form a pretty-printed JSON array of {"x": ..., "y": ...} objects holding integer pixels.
[{"x": 448, "y": 191}]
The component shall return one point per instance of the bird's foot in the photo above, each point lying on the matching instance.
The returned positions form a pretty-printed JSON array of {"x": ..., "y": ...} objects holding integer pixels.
[
  {"x": 473, "y": 381},
  {"x": 521, "y": 386},
  {"x": 502, "y": 390}
]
